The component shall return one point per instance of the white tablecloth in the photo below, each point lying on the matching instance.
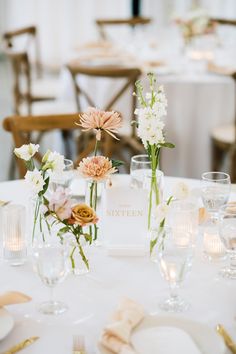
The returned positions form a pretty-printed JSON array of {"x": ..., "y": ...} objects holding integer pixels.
[{"x": 212, "y": 299}]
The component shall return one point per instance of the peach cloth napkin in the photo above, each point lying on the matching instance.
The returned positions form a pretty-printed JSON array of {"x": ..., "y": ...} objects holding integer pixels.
[
  {"x": 13, "y": 297},
  {"x": 116, "y": 335}
]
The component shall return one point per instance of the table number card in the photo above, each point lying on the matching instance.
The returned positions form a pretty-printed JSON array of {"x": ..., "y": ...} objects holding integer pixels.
[{"x": 125, "y": 220}]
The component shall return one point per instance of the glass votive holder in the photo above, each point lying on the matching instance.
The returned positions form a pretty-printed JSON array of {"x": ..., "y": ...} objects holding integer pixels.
[
  {"x": 183, "y": 220},
  {"x": 213, "y": 247},
  {"x": 14, "y": 234}
]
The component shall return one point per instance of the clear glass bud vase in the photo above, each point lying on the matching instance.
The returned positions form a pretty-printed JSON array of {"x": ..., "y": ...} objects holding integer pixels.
[
  {"x": 153, "y": 183},
  {"x": 94, "y": 198}
]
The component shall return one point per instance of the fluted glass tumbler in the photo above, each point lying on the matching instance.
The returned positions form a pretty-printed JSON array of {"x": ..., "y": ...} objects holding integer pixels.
[{"x": 14, "y": 234}]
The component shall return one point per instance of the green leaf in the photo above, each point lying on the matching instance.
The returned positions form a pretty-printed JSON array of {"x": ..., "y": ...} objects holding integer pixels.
[
  {"x": 45, "y": 187},
  {"x": 162, "y": 223},
  {"x": 117, "y": 163},
  {"x": 169, "y": 200},
  {"x": 63, "y": 230},
  {"x": 167, "y": 145},
  {"x": 134, "y": 122},
  {"x": 45, "y": 201},
  {"x": 153, "y": 244},
  {"x": 88, "y": 238}
]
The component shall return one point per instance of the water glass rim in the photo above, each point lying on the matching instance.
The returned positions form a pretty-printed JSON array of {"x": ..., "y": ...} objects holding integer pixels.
[
  {"x": 224, "y": 176},
  {"x": 136, "y": 157}
]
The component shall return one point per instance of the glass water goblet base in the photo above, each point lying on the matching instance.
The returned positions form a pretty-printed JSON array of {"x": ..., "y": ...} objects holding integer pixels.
[
  {"x": 52, "y": 308},
  {"x": 229, "y": 273},
  {"x": 176, "y": 304}
]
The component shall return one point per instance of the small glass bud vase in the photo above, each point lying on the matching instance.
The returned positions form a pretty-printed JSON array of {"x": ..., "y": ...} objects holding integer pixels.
[
  {"x": 154, "y": 186},
  {"x": 77, "y": 265},
  {"x": 94, "y": 198}
]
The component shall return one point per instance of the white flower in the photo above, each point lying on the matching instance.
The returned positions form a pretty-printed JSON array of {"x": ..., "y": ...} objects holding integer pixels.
[
  {"x": 180, "y": 191},
  {"x": 55, "y": 162},
  {"x": 35, "y": 180},
  {"x": 26, "y": 151},
  {"x": 161, "y": 212}
]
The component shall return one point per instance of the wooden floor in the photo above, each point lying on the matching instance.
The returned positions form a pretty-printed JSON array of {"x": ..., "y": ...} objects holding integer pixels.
[{"x": 5, "y": 110}]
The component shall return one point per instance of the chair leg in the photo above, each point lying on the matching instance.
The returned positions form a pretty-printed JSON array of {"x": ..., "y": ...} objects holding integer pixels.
[
  {"x": 217, "y": 157},
  {"x": 233, "y": 164}
]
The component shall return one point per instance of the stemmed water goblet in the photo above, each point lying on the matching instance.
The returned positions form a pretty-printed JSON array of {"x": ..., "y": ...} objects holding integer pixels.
[
  {"x": 50, "y": 263},
  {"x": 227, "y": 231},
  {"x": 175, "y": 262}
]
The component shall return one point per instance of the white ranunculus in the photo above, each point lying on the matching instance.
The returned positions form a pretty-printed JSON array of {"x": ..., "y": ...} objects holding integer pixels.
[
  {"x": 26, "y": 151},
  {"x": 35, "y": 180},
  {"x": 181, "y": 191},
  {"x": 55, "y": 162}
]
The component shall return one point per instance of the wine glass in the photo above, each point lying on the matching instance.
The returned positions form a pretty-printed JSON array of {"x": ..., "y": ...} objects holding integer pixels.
[
  {"x": 227, "y": 231},
  {"x": 175, "y": 263},
  {"x": 215, "y": 191},
  {"x": 140, "y": 166},
  {"x": 51, "y": 266},
  {"x": 64, "y": 178}
]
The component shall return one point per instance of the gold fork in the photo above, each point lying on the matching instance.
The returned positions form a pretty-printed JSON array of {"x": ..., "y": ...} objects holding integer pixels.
[
  {"x": 25, "y": 343},
  {"x": 227, "y": 339},
  {"x": 78, "y": 345}
]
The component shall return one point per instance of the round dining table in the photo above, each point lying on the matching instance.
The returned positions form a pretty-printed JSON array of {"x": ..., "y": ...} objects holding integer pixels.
[{"x": 92, "y": 297}]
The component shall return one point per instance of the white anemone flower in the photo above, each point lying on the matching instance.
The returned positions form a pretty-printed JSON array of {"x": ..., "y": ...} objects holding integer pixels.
[
  {"x": 35, "y": 180},
  {"x": 26, "y": 151}
]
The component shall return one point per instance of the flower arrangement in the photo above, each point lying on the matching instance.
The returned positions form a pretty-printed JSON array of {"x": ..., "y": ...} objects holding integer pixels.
[
  {"x": 98, "y": 168},
  {"x": 58, "y": 208},
  {"x": 195, "y": 23},
  {"x": 150, "y": 129}
]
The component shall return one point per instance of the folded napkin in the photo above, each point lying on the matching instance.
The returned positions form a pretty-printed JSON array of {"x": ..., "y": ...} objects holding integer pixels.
[
  {"x": 116, "y": 335},
  {"x": 13, "y": 297},
  {"x": 164, "y": 340}
]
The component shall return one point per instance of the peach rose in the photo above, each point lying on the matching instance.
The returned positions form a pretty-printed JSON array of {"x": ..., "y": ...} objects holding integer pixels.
[{"x": 84, "y": 215}]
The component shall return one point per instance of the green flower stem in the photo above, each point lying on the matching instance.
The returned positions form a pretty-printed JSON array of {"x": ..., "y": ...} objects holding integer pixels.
[
  {"x": 93, "y": 204},
  {"x": 153, "y": 184},
  {"x": 72, "y": 257}
]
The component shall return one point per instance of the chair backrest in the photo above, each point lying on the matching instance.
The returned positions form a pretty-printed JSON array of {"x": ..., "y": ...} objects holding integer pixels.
[
  {"x": 21, "y": 75},
  {"x": 22, "y": 127},
  {"x": 114, "y": 72},
  {"x": 31, "y": 35},
  {"x": 133, "y": 21}
]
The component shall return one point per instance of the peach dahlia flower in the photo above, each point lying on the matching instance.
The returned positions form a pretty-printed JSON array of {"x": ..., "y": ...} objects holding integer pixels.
[
  {"x": 99, "y": 120},
  {"x": 97, "y": 168}
]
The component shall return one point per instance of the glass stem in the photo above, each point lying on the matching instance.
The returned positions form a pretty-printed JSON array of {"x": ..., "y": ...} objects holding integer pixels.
[
  {"x": 232, "y": 261},
  {"x": 173, "y": 292},
  {"x": 51, "y": 294}
]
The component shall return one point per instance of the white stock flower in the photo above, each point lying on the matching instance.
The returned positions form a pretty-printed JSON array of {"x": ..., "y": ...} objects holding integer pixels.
[
  {"x": 35, "y": 180},
  {"x": 54, "y": 162},
  {"x": 181, "y": 191},
  {"x": 26, "y": 151}
]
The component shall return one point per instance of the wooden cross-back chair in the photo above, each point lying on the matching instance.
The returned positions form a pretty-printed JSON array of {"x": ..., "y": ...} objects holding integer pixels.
[
  {"x": 131, "y": 75},
  {"x": 22, "y": 74},
  {"x": 21, "y": 127},
  {"x": 31, "y": 34},
  {"x": 133, "y": 21}
]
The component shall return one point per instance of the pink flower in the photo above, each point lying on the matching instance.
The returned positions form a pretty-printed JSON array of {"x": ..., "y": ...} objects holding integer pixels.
[
  {"x": 99, "y": 120},
  {"x": 60, "y": 203},
  {"x": 96, "y": 168}
]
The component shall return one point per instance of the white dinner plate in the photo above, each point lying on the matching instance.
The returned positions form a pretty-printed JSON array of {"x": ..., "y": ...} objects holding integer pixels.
[
  {"x": 6, "y": 323},
  {"x": 205, "y": 337}
]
